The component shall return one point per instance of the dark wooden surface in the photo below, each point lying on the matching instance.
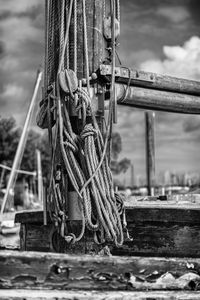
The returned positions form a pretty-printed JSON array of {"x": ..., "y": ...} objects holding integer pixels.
[
  {"x": 155, "y": 231},
  {"x": 96, "y": 295},
  {"x": 38, "y": 270},
  {"x": 157, "y": 81}
]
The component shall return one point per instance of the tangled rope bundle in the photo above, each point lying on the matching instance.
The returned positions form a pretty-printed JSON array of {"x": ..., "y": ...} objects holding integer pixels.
[{"x": 83, "y": 158}]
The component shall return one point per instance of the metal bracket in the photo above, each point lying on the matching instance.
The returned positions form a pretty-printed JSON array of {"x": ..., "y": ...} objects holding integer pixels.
[{"x": 123, "y": 74}]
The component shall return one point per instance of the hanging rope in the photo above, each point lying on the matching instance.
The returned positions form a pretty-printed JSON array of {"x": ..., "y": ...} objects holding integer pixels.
[{"x": 83, "y": 154}]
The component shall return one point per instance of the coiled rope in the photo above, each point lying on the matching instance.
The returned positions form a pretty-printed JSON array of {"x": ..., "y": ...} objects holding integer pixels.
[{"x": 83, "y": 156}]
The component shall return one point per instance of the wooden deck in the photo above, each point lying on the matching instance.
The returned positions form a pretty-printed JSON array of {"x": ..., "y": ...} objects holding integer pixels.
[
  {"x": 97, "y": 295},
  {"x": 37, "y": 275},
  {"x": 162, "y": 262},
  {"x": 158, "y": 228}
]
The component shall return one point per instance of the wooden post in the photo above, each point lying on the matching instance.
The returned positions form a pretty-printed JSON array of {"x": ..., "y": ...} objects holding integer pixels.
[
  {"x": 150, "y": 152},
  {"x": 132, "y": 175}
]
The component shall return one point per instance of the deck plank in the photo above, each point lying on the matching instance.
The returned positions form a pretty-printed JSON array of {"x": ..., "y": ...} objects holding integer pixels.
[
  {"x": 96, "y": 295},
  {"x": 38, "y": 270}
]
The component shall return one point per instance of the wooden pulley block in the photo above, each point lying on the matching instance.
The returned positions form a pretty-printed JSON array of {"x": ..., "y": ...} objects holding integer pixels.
[
  {"x": 68, "y": 81},
  {"x": 107, "y": 28}
]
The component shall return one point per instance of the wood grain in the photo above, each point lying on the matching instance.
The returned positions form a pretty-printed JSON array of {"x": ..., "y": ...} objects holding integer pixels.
[
  {"x": 150, "y": 99},
  {"x": 156, "y": 231},
  {"x": 38, "y": 270},
  {"x": 96, "y": 295}
]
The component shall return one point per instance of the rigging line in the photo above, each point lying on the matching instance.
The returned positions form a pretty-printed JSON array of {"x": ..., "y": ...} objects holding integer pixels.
[
  {"x": 86, "y": 47},
  {"x": 109, "y": 127},
  {"x": 75, "y": 36},
  {"x": 46, "y": 44},
  {"x": 66, "y": 36},
  {"x": 118, "y": 10}
]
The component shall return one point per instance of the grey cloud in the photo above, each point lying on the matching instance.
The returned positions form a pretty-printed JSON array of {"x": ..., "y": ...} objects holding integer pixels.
[
  {"x": 34, "y": 13},
  {"x": 192, "y": 124},
  {"x": 5, "y": 15},
  {"x": 2, "y": 49},
  {"x": 194, "y": 7}
]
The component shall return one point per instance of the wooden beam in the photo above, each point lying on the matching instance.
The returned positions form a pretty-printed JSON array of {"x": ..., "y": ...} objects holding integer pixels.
[
  {"x": 15, "y": 294},
  {"x": 152, "y": 80},
  {"x": 150, "y": 152},
  {"x": 157, "y": 228},
  {"x": 37, "y": 270},
  {"x": 150, "y": 99}
]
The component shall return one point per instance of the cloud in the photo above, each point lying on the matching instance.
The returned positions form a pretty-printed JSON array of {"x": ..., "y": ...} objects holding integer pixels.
[
  {"x": 174, "y": 14},
  {"x": 177, "y": 137},
  {"x": 192, "y": 124},
  {"x": 21, "y": 50},
  {"x": 180, "y": 61}
]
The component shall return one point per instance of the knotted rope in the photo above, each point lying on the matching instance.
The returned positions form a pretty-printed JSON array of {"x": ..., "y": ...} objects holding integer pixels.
[{"x": 83, "y": 155}]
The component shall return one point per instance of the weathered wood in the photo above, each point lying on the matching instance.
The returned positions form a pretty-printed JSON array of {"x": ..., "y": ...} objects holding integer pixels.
[
  {"x": 150, "y": 151},
  {"x": 150, "y": 99},
  {"x": 161, "y": 240},
  {"x": 31, "y": 216},
  {"x": 96, "y": 295},
  {"x": 148, "y": 213},
  {"x": 96, "y": 43},
  {"x": 160, "y": 231},
  {"x": 35, "y": 270},
  {"x": 153, "y": 80},
  {"x": 156, "y": 231}
]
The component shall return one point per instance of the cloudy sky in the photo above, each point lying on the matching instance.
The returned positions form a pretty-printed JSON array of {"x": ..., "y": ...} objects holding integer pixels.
[{"x": 159, "y": 36}]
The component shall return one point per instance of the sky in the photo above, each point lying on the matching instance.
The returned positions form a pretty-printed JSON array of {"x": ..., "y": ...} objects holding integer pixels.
[{"x": 158, "y": 36}]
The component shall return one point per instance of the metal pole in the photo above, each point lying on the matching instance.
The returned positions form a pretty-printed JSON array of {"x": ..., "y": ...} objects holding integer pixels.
[
  {"x": 39, "y": 173},
  {"x": 2, "y": 177},
  {"x": 132, "y": 175},
  {"x": 22, "y": 141},
  {"x": 150, "y": 152}
]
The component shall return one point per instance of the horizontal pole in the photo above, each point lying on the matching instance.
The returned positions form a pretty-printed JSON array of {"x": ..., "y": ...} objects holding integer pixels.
[
  {"x": 157, "y": 100},
  {"x": 18, "y": 171},
  {"x": 152, "y": 80}
]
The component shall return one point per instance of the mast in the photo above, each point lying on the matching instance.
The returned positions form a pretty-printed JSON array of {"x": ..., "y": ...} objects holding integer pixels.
[{"x": 80, "y": 36}]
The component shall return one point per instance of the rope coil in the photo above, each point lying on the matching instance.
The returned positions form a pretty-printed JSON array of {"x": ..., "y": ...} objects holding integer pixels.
[{"x": 83, "y": 154}]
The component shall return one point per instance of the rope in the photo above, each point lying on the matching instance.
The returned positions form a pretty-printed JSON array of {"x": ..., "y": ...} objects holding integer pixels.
[
  {"x": 75, "y": 36},
  {"x": 86, "y": 47},
  {"x": 118, "y": 10},
  {"x": 83, "y": 155}
]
